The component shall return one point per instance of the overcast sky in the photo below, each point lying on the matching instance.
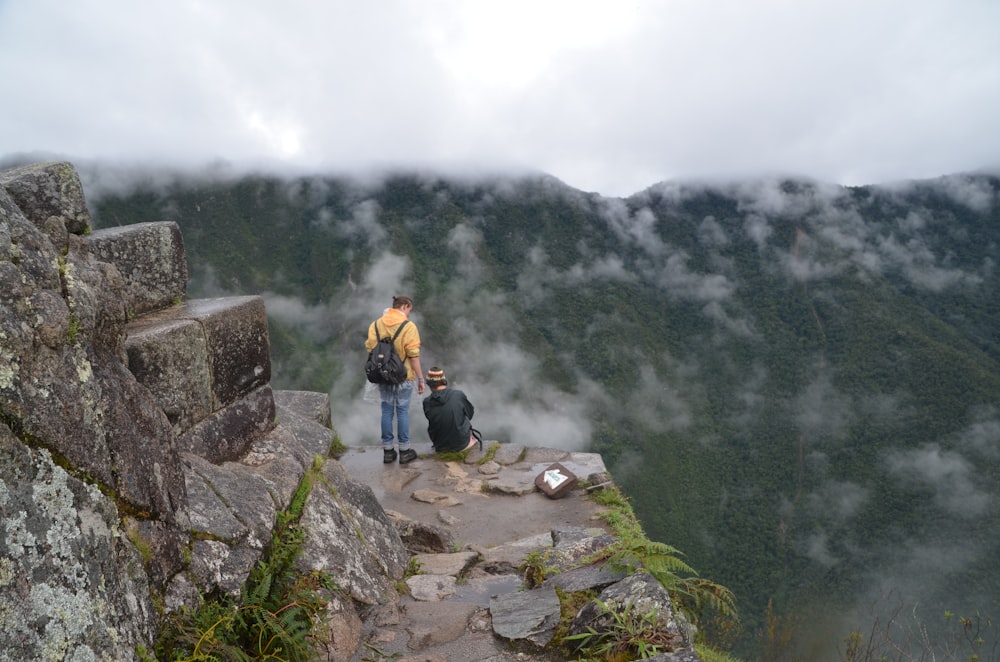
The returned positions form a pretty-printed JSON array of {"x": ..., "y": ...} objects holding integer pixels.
[{"x": 607, "y": 96}]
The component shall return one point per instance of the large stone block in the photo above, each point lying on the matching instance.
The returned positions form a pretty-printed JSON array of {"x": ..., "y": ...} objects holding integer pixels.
[
  {"x": 151, "y": 259},
  {"x": 236, "y": 341},
  {"x": 170, "y": 358},
  {"x": 228, "y": 433}
]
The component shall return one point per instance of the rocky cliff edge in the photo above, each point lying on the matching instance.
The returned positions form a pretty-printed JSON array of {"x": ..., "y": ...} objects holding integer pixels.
[{"x": 144, "y": 459}]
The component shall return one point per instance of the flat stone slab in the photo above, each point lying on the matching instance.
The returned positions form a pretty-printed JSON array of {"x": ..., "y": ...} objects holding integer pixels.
[
  {"x": 431, "y": 588},
  {"x": 503, "y": 529},
  {"x": 436, "y": 498},
  {"x": 435, "y": 623},
  {"x": 526, "y": 615},
  {"x": 510, "y": 556},
  {"x": 508, "y": 453},
  {"x": 591, "y": 577},
  {"x": 454, "y": 564},
  {"x": 515, "y": 480}
]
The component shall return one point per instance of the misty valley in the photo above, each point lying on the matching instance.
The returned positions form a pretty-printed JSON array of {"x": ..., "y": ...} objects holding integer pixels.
[{"x": 797, "y": 384}]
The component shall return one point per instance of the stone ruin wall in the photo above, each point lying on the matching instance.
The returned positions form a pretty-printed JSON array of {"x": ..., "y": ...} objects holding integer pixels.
[{"x": 141, "y": 465}]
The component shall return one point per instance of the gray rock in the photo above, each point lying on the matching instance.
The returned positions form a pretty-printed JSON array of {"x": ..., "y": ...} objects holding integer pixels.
[
  {"x": 349, "y": 536},
  {"x": 314, "y": 406},
  {"x": 313, "y": 436},
  {"x": 490, "y": 468},
  {"x": 573, "y": 544},
  {"x": 640, "y": 594},
  {"x": 515, "y": 480},
  {"x": 228, "y": 433},
  {"x": 281, "y": 461},
  {"x": 536, "y": 455},
  {"x": 73, "y": 394},
  {"x": 245, "y": 494},
  {"x": 340, "y": 636},
  {"x": 217, "y": 567},
  {"x": 526, "y": 615},
  {"x": 70, "y": 582},
  {"x": 208, "y": 513},
  {"x": 163, "y": 547},
  {"x": 28, "y": 246},
  {"x": 435, "y": 497},
  {"x": 45, "y": 190},
  {"x": 239, "y": 350},
  {"x": 151, "y": 259},
  {"x": 509, "y": 556}
]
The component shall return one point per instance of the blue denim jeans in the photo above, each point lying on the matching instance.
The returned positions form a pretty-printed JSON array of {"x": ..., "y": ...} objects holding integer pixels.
[{"x": 396, "y": 402}]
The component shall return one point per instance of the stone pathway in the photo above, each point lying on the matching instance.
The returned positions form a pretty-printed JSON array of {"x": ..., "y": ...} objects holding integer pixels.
[{"x": 470, "y": 526}]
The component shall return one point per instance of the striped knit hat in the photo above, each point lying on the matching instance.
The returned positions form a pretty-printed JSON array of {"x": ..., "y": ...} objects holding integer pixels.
[{"x": 435, "y": 377}]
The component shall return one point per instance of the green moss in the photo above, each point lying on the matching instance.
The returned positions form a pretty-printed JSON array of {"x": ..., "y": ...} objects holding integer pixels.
[
  {"x": 141, "y": 544},
  {"x": 337, "y": 447}
]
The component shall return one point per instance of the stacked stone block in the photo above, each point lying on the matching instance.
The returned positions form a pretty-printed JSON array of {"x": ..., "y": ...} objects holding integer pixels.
[{"x": 207, "y": 361}]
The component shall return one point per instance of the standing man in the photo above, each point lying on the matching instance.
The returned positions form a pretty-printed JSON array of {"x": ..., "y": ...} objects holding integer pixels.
[
  {"x": 449, "y": 415},
  {"x": 396, "y": 398}
]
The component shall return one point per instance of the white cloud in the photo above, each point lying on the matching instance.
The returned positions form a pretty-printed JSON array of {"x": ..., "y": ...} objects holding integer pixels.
[
  {"x": 952, "y": 477},
  {"x": 609, "y": 97}
]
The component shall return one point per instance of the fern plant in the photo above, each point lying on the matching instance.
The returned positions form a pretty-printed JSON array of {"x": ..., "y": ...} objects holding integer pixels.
[
  {"x": 277, "y": 615},
  {"x": 628, "y": 635},
  {"x": 700, "y": 600}
]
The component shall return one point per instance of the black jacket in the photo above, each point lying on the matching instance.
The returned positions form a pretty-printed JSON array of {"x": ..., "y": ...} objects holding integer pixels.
[{"x": 449, "y": 419}]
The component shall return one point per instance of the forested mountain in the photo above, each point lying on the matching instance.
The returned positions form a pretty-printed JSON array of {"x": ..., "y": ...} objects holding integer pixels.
[{"x": 798, "y": 384}]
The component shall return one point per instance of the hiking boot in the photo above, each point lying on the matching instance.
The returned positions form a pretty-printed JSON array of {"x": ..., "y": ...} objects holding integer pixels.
[
  {"x": 388, "y": 456},
  {"x": 406, "y": 456}
]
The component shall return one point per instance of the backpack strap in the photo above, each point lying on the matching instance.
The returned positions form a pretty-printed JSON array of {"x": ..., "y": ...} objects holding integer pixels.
[
  {"x": 398, "y": 329},
  {"x": 379, "y": 336}
]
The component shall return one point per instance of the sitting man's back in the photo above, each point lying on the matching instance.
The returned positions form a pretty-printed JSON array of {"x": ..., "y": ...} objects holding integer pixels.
[{"x": 449, "y": 415}]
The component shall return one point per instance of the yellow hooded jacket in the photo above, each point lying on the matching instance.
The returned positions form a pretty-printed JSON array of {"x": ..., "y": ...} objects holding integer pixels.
[{"x": 407, "y": 344}]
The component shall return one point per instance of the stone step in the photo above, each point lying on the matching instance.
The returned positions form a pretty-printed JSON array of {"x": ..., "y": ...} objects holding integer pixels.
[
  {"x": 208, "y": 363},
  {"x": 151, "y": 259}
]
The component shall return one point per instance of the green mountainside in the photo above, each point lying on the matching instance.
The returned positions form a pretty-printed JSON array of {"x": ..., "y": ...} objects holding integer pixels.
[{"x": 798, "y": 384}]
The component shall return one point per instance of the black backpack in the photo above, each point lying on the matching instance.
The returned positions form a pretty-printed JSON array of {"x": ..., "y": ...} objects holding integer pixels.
[{"x": 384, "y": 365}]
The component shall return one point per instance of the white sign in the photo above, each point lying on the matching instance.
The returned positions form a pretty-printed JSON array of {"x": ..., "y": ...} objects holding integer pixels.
[{"x": 554, "y": 479}]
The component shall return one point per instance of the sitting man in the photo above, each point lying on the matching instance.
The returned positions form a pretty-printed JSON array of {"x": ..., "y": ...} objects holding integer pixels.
[{"x": 449, "y": 415}]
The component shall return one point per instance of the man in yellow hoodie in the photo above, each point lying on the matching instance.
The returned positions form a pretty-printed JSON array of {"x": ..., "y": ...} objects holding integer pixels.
[{"x": 396, "y": 398}]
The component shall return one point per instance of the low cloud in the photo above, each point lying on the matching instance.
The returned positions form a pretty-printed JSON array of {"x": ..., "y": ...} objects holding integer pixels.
[
  {"x": 822, "y": 412},
  {"x": 838, "y": 501},
  {"x": 952, "y": 478}
]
